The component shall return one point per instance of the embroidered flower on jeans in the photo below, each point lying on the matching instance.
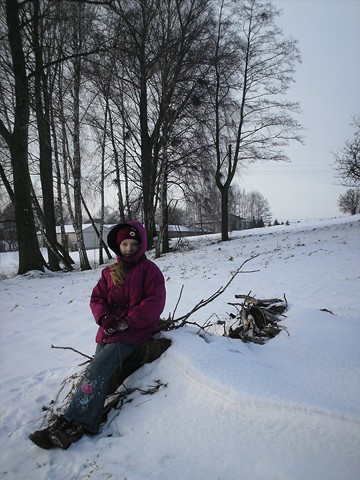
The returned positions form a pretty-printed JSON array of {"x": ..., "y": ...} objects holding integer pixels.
[{"x": 87, "y": 388}]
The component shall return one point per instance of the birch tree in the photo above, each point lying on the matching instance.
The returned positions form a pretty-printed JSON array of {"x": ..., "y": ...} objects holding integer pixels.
[{"x": 253, "y": 68}]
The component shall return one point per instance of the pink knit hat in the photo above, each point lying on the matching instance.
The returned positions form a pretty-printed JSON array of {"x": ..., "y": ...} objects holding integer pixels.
[{"x": 128, "y": 233}]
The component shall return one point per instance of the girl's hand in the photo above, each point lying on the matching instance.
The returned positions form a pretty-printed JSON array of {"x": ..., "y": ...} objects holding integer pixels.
[
  {"x": 107, "y": 322},
  {"x": 121, "y": 325}
]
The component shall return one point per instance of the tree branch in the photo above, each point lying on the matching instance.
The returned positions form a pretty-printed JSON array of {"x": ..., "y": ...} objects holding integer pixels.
[
  {"x": 74, "y": 350},
  {"x": 173, "y": 324}
]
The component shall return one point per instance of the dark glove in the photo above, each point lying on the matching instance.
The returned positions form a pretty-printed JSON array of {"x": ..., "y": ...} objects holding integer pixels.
[{"x": 107, "y": 322}]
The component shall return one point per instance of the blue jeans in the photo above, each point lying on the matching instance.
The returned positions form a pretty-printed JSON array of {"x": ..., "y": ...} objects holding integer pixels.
[{"x": 86, "y": 406}]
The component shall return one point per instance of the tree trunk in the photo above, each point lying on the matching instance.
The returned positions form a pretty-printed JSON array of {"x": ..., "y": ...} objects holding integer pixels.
[
  {"x": 56, "y": 249},
  {"x": 146, "y": 171},
  {"x": 84, "y": 261},
  {"x": 30, "y": 257},
  {"x": 43, "y": 124},
  {"x": 102, "y": 183},
  {"x": 145, "y": 353},
  {"x": 117, "y": 168},
  {"x": 224, "y": 213},
  {"x": 64, "y": 248},
  {"x": 164, "y": 210},
  {"x": 102, "y": 243}
]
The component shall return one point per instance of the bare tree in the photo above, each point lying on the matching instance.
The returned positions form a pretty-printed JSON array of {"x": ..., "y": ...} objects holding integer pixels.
[
  {"x": 150, "y": 96},
  {"x": 77, "y": 39},
  {"x": 30, "y": 257},
  {"x": 258, "y": 208},
  {"x": 253, "y": 68},
  {"x": 7, "y": 228},
  {"x": 349, "y": 202},
  {"x": 161, "y": 58},
  {"x": 43, "y": 29},
  {"x": 347, "y": 161},
  {"x": 106, "y": 117},
  {"x": 39, "y": 29}
]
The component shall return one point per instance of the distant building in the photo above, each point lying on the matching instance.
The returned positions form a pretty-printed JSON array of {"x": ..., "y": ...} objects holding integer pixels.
[
  {"x": 178, "y": 231},
  {"x": 213, "y": 225},
  {"x": 91, "y": 240}
]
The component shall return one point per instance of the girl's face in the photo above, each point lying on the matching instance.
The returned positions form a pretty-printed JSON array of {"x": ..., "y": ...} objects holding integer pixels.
[{"x": 129, "y": 246}]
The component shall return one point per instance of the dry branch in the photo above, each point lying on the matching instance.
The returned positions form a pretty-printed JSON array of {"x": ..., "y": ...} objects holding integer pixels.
[
  {"x": 74, "y": 350},
  {"x": 257, "y": 319},
  {"x": 172, "y": 324}
]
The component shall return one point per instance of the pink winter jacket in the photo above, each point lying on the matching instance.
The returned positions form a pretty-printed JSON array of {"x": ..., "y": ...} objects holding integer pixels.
[{"x": 140, "y": 300}]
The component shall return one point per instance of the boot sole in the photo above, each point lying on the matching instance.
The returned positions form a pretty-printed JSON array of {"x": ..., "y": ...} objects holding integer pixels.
[{"x": 42, "y": 444}]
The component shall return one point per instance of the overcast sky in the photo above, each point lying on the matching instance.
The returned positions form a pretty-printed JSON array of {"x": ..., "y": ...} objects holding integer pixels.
[{"x": 327, "y": 86}]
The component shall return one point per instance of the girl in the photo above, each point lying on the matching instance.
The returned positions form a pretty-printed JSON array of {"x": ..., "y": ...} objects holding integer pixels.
[{"x": 126, "y": 303}]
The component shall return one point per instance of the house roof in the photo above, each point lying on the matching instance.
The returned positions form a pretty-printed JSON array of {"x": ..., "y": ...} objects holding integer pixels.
[{"x": 70, "y": 228}]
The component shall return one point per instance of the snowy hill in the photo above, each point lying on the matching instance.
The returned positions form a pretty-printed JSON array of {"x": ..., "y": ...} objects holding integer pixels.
[{"x": 286, "y": 410}]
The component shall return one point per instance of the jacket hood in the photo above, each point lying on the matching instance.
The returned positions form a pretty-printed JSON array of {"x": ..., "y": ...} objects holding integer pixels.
[{"x": 111, "y": 240}]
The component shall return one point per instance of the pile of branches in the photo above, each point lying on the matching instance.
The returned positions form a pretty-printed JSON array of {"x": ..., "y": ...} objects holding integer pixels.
[
  {"x": 257, "y": 320},
  {"x": 172, "y": 323}
]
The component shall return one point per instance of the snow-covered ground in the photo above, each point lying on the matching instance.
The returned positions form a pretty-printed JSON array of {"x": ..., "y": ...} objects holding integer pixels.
[{"x": 286, "y": 410}]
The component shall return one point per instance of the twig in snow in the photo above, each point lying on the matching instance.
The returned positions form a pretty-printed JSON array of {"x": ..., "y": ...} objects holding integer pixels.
[{"x": 74, "y": 350}]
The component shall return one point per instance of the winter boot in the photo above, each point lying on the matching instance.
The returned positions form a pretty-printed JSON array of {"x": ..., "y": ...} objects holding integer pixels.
[
  {"x": 66, "y": 434},
  {"x": 41, "y": 438}
]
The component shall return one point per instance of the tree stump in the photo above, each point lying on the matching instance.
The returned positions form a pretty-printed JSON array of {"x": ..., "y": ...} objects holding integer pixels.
[{"x": 145, "y": 353}]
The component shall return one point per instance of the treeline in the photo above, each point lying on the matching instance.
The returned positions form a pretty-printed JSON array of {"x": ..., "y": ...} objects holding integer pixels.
[{"x": 144, "y": 104}]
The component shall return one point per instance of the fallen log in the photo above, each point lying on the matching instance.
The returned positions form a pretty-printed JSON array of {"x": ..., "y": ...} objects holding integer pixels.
[{"x": 145, "y": 353}]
